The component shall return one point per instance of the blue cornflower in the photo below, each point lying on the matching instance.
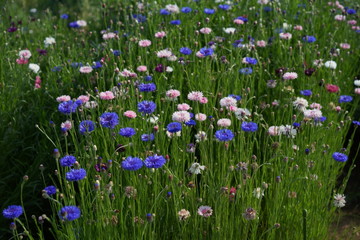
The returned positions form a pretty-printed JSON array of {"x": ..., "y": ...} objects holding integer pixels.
[
  {"x": 96, "y": 65},
  {"x": 185, "y": 51},
  {"x": 64, "y": 16},
  {"x": 75, "y": 174},
  {"x": 340, "y": 157},
  {"x": 306, "y": 92},
  {"x": 249, "y": 126},
  {"x": 309, "y": 39},
  {"x": 109, "y": 119},
  {"x": 140, "y": 18},
  {"x": 147, "y": 87},
  {"x": 13, "y": 211},
  {"x": 244, "y": 19},
  {"x": 74, "y": 25},
  {"x": 209, "y": 11},
  {"x": 164, "y": 12},
  {"x": 154, "y": 161},
  {"x": 224, "y": 135},
  {"x": 250, "y": 60},
  {"x": 127, "y": 132},
  {"x": 116, "y": 52},
  {"x": 345, "y": 99},
  {"x": 132, "y": 163},
  {"x": 50, "y": 190},
  {"x": 147, "y": 137},
  {"x": 67, "y": 161},
  {"x": 237, "y": 97},
  {"x": 69, "y": 213},
  {"x": 191, "y": 122},
  {"x": 206, "y": 51},
  {"x": 69, "y": 106},
  {"x": 224, "y": 6},
  {"x": 351, "y": 11},
  {"x": 148, "y": 78},
  {"x": 238, "y": 43},
  {"x": 56, "y": 69},
  {"x": 146, "y": 107},
  {"x": 356, "y": 123},
  {"x": 186, "y": 9},
  {"x": 296, "y": 125},
  {"x": 174, "y": 127},
  {"x": 86, "y": 126},
  {"x": 175, "y": 22},
  {"x": 246, "y": 71}
]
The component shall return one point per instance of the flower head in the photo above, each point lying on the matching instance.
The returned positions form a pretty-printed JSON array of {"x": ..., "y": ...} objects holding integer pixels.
[
  {"x": 69, "y": 213},
  {"x": 127, "y": 132},
  {"x": 132, "y": 163},
  {"x": 146, "y": 107},
  {"x": 249, "y": 126},
  {"x": 224, "y": 135},
  {"x": 109, "y": 119},
  {"x": 86, "y": 126},
  {"x": 340, "y": 157},
  {"x": 205, "y": 211},
  {"x": 67, "y": 161},
  {"x": 155, "y": 161},
  {"x": 12, "y": 211},
  {"x": 69, "y": 106},
  {"x": 339, "y": 200},
  {"x": 76, "y": 174},
  {"x": 174, "y": 127},
  {"x": 50, "y": 190},
  {"x": 345, "y": 99},
  {"x": 183, "y": 214}
]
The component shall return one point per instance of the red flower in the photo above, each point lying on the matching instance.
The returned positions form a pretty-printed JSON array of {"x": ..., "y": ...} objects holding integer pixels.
[{"x": 332, "y": 88}]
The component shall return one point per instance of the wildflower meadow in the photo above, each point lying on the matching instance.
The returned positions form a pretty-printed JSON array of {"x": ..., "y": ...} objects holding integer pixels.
[{"x": 177, "y": 119}]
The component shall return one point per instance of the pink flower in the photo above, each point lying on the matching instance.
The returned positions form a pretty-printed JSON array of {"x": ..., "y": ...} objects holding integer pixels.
[
  {"x": 84, "y": 98},
  {"x": 22, "y": 61},
  {"x": 110, "y": 35},
  {"x": 232, "y": 108},
  {"x": 181, "y": 116},
  {"x": 206, "y": 30},
  {"x": 164, "y": 53},
  {"x": 286, "y": 36},
  {"x": 290, "y": 76},
  {"x": 127, "y": 73},
  {"x": 238, "y": 21},
  {"x": 332, "y": 88},
  {"x": 345, "y": 45},
  {"x": 66, "y": 126},
  {"x": 86, "y": 69},
  {"x": 144, "y": 43},
  {"x": 63, "y": 98},
  {"x": 183, "y": 107},
  {"x": 24, "y": 54},
  {"x": 200, "y": 117},
  {"x": 141, "y": 68},
  {"x": 224, "y": 122},
  {"x": 195, "y": 96},
  {"x": 313, "y": 113},
  {"x": 228, "y": 101},
  {"x": 108, "y": 95},
  {"x": 37, "y": 82},
  {"x": 338, "y": 108},
  {"x": 352, "y": 22},
  {"x": 357, "y": 91},
  {"x": 274, "y": 131},
  {"x": 298, "y": 27},
  {"x": 340, "y": 18},
  {"x": 172, "y": 93},
  {"x": 261, "y": 43},
  {"x": 203, "y": 100},
  {"x": 205, "y": 211},
  {"x": 161, "y": 34},
  {"x": 316, "y": 106},
  {"x": 130, "y": 114}
]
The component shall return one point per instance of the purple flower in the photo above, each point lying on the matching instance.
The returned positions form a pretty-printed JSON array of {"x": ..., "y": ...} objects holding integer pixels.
[
  {"x": 86, "y": 126},
  {"x": 147, "y": 137},
  {"x": 69, "y": 213},
  {"x": 12, "y": 211},
  {"x": 132, "y": 163},
  {"x": 109, "y": 119},
  {"x": 175, "y": 22},
  {"x": 340, "y": 157},
  {"x": 146, "y": 107},
  {"x": 76, "y": 174},
  {"x": 209, "y": 11},
  {"x": 50, "y": 190},
  {"x": 306, "y": 92},
  {"x": 174, "y": 127},
  {"x": 224, "y": 135},
  {"x": 154, "y": 161},
  {"x": 206, "y": 51},
  {"x": 147, "y": 87},
  {"x": 127, "y": 132},
  {"x": 186, "y": 9},
  {"x": 69, "y": 106},
  {"x": 345, "y": 99},
  {"x": 185, "y": 51},
  {"x": 67, "y": 161},
  {"x": 249, "y": 126}
]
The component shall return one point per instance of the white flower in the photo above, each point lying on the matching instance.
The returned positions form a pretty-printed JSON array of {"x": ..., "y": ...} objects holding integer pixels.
[
  {"x": 169, "y": 69},
  {"x": 357, "y": 83},
  {"x": 229, "y": 30},
  {"x": 258, "y": 193},
  {"x": 175, "y": 134},
  {"x": 228, "y": 101},
  {"x": 164, "y": 53},
  {"x": 49, "y": 41},
  {"x": 172, "y": 8},
  {"x": 301, "y": 104},
  {"x": 153, "y": 119},
  {"x": 330, "y": 64},
  {"x": 287, "y": 130},
  {"x": 81, "y": 23},
  {"x": 313, "y": 113},
  {"x": 339, "y": 200},
  {"x": 34, "y": 67},
  {"x": 242, "y": 113},
  {"x": 200, "y": 136},
  {"x": 25, "y": 54},
  {"x": 196, "y": 168}
]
